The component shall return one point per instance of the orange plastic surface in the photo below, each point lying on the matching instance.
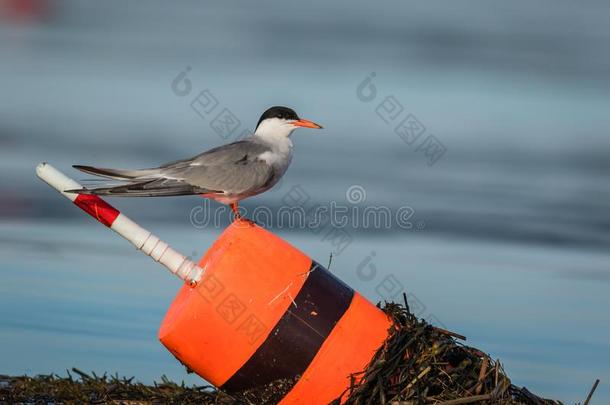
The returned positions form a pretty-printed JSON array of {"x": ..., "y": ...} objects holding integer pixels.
[
  {"x": 250, "y": 279},
  {"x": 347, "y": 350}
]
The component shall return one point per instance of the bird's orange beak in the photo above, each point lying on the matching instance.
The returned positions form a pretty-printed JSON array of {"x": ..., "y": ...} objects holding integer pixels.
[{"x": 306, "y": 124}]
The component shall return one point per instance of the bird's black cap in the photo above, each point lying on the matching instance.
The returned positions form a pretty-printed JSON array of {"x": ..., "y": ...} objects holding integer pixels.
[{"x": 278, "y": 112}]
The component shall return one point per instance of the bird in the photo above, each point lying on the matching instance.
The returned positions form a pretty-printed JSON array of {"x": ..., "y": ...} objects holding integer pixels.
[{"x": 227, "y": 174}]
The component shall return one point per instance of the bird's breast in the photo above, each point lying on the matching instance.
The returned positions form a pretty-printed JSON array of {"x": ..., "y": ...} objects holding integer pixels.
[{"x": 278, "y": 158}]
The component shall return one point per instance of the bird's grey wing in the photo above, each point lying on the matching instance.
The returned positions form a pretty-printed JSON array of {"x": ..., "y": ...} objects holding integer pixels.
[
  {"x": 229, "y": 178},
  {"x": 229, "y": 153},
  {"x": 232, "y": 169},
  {"x": 159, "y": 187},
  {"x": 116, "y": 174}
]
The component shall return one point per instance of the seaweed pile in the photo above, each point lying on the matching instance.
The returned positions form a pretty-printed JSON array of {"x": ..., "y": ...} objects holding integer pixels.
[
  {"x": 423, "y": 364},
  {"x": 94, "y": 389},
  {"x": 419, "y": 364}
]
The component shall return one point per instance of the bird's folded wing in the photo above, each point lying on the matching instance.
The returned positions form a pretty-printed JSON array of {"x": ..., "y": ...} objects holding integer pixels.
[
  {"x": 234, "y": 168},
  {"x": 229, "y": 169},
  {"x": 229, "y": 153},
  {"x": 230, "y": 178}
]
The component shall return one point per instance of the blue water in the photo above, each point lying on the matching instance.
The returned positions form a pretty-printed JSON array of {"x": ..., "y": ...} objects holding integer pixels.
[{"x": 511, "y": 224}]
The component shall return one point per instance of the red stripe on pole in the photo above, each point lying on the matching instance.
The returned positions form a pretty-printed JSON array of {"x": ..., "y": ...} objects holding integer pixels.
[{"x": 97, "y": 208}]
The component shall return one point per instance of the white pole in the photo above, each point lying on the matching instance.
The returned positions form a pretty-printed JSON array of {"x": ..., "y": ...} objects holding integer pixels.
[{"x": 142, "y": 239}]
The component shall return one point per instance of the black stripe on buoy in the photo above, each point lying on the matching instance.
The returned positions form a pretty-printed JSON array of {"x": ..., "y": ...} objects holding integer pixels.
[{"x": 299, "y": 334}]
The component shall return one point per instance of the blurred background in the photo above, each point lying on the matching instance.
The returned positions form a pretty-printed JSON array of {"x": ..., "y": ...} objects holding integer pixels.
[{"x": 505, "y": 168}]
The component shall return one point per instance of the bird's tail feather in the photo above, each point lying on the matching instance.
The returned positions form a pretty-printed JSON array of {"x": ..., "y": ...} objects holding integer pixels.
[
  {"x": 117, "y": 174},
  {"x": 144, "y": 188}
]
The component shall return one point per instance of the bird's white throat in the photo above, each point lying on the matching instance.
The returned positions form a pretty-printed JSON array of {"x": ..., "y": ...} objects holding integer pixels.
[{"x": 275, "y": 133}]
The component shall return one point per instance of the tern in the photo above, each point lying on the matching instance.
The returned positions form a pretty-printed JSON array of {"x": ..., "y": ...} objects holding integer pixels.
[{"x": 227, "y": 174}]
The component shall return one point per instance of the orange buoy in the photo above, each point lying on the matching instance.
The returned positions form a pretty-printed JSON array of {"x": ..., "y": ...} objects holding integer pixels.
[
  {"x": 255, "y": 309},
  {"x": 262, "y": 311}
]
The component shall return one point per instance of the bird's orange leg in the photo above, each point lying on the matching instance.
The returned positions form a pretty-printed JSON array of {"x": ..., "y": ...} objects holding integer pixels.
[{"x": 235, "y": 209}]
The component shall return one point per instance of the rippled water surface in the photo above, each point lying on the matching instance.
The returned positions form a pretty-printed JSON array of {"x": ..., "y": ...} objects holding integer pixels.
[{"x": 510, "y": 246}]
